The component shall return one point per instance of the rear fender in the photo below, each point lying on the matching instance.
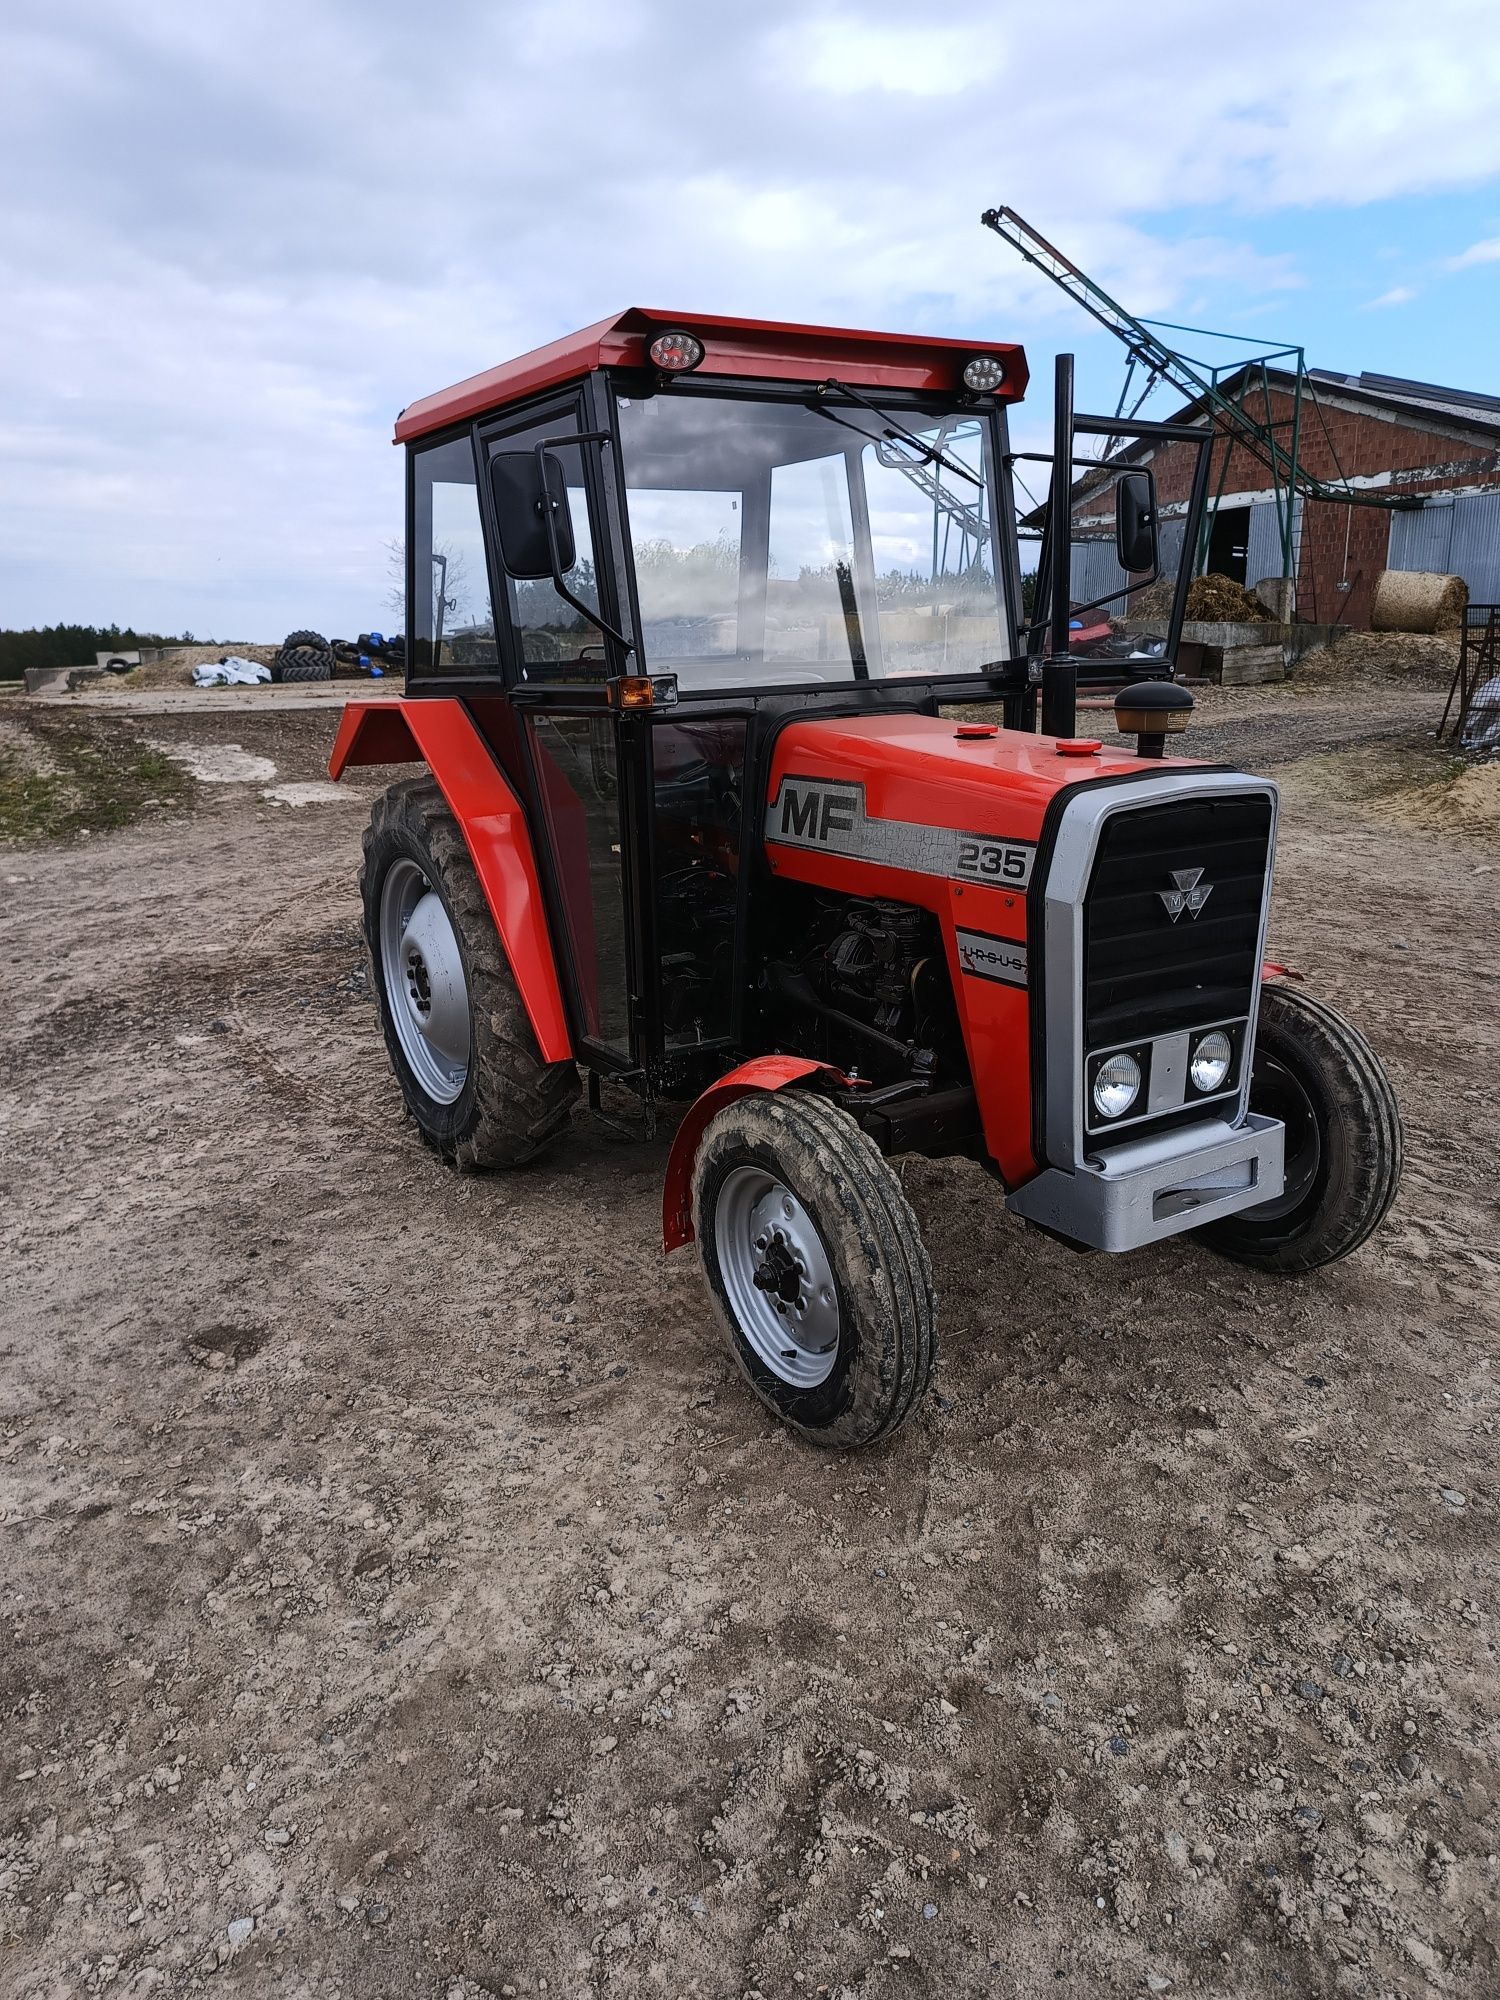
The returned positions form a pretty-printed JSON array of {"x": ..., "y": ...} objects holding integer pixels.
[
  {"x": 441, "y": 734},
  {"x": 764, "y": 1073}
]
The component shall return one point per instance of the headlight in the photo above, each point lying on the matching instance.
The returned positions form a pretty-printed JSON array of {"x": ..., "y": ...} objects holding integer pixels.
[
  {"x": 1210, "y": 1062},
  {"x": 1116, "y": 1086},
  {"x": 984, "y": 374}
]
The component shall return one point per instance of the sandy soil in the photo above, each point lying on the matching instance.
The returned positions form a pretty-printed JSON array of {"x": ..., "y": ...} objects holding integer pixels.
[{"x": 402, "y": 1595}]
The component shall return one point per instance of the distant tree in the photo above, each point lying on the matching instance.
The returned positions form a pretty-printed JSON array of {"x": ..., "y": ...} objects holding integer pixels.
[{"x": 72, "y": 645}]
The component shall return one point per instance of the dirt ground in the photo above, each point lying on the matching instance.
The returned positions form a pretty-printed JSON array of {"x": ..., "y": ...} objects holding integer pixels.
[{"x": 403, "y": 1596}]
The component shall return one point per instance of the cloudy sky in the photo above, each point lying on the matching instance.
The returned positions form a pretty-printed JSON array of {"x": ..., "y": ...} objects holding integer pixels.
[{"x": 235, "y": 240}]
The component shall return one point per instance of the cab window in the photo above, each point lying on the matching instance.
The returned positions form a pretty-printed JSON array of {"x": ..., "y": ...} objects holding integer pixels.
[{"x": 452, "y": 622}]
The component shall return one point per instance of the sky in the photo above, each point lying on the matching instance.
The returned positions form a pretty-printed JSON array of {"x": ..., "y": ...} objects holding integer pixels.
[{"x": 235, "y": 241}]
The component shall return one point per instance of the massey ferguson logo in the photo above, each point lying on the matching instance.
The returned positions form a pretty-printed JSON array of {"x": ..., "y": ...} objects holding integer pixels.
[
  {"x": 816, "y": 813},
  {"x": 1188, "y": 892}
]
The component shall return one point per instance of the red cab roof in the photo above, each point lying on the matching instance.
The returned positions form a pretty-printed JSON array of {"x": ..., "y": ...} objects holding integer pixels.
[{"x": 734, "y": 347}]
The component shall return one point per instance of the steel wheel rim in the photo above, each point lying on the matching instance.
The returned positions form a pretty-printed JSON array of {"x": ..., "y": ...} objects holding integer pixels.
[
  {"x": 778, "y": 1277},
  {"x": 1278, "y": 1092},
  {"x": 426, "y": 991}
]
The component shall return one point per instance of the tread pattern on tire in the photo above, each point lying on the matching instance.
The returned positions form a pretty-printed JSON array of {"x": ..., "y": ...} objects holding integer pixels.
[
  {"x": 300, "y": 665},
  {"x": 866, "y": 1210},
  {"x": 1368, "y": 1111},
  {"x": 513, "y": 1103},
  {"x": 303, "y": 656}
]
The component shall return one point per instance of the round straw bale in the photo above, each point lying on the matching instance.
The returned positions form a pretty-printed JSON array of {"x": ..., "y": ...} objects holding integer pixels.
[{"x": 1418, "y": 600}]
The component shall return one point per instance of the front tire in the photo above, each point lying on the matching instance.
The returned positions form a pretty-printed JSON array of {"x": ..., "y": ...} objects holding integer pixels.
[
  {"x": 457, "y": 1033},
  {"x": 1321, "y": 1078},
  {"x": 815, "y": 1266}
]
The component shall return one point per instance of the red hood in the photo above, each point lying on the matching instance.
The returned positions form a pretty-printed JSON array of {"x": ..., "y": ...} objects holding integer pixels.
[{"x": 919, "y": 769}]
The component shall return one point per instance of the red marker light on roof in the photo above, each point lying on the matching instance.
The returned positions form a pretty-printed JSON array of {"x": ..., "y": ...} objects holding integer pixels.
[{"x": 676, "y": 351}]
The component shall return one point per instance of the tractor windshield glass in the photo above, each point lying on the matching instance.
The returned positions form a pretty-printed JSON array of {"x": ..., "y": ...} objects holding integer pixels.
[{"x": 788, "y": 543}]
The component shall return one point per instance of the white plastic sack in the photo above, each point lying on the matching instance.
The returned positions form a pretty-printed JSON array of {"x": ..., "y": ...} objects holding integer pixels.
[
  {"x": 231, "y": 672},
  {"x": 1482, "y": 726}
]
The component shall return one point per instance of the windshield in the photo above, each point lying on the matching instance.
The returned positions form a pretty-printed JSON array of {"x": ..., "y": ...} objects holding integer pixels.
[{"x": 796, "y": 543}]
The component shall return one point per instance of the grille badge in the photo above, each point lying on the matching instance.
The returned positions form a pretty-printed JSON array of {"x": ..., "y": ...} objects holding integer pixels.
[{"x": 1185, "y": 893}]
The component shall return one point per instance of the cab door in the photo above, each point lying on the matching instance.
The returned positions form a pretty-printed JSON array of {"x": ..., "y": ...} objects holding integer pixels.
[{"x": 558, "y": 666}]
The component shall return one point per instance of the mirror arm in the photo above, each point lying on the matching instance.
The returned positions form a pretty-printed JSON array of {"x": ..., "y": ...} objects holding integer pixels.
[{"x": 555, "y": 554}]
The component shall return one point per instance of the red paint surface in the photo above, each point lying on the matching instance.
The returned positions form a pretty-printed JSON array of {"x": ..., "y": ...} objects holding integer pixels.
[
  {"x": 764, "y": 1073},
  {"x": 440, "y": 733},
  {"x": 913, "y": 769},
  {"x": 771, "y": 349}
]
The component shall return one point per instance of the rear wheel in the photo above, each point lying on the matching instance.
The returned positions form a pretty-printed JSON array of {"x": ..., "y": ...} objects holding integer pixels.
[
  {"x": 1321, "y": 1078},
  {"x": 458, "y": 1035},
  {"x": 815, "y": 1267}
]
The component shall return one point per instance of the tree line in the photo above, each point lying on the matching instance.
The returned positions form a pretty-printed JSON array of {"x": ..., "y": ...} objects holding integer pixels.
[{"x": 71, "y": 645}]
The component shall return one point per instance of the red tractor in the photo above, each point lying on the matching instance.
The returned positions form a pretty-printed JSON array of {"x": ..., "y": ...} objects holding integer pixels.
[{"x": 705, "y": 620}]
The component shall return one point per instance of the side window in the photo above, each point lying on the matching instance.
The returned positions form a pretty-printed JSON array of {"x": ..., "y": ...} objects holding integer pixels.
[
  {"x": 686, "y": 545},
  {"x": 811, "y": 615},
  {"x": 554, "y": 639},
  {"x": 453, "y": 624}
]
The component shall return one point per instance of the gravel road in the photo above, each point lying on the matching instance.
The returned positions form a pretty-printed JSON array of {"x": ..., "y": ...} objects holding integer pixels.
[{"x": 402, "y": 1595}]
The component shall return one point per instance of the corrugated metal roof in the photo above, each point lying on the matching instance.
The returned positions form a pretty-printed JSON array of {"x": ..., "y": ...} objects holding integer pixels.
[{"x": 1463, "y": 408}]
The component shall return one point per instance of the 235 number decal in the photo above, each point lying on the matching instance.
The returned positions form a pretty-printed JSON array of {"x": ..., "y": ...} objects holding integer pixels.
[{"x": 1006, "y": 863}]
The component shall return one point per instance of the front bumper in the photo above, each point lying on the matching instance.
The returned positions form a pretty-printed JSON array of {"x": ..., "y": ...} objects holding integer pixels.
[{"x": 1151, "y": 1188}]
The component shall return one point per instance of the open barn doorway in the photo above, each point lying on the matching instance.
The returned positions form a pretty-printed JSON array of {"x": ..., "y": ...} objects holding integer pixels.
[{"x": 1229, "y": 544}]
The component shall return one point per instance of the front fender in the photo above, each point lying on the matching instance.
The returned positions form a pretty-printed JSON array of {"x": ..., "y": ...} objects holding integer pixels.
[
  {"x": 441, "y": 733},
  {"x": 763, "y": 1073}
]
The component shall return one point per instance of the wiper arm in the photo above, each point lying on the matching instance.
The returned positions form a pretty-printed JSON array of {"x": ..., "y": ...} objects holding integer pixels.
[{"x": 892, "y": 431}]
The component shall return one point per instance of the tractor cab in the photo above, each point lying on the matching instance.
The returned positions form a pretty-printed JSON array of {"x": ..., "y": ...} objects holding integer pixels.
[
  {"x": 754, "y": 781},
  {"x": 635, "y": 554}
]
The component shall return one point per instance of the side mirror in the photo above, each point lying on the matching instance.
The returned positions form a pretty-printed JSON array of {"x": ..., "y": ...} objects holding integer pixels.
[
  {"x": 523, "y": 508},
  {"x": 1135, "y": 521}
]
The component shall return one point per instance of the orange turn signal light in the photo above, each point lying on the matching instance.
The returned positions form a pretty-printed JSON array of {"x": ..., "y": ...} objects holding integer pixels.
[{"x": 644, "y": 691}]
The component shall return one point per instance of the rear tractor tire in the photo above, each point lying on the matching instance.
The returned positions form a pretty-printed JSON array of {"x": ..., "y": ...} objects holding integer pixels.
[
  {"x": 815, "y": 1266},
  {"x": 457, "y": 1033},
  {"x": 1321, "y": 1078}
]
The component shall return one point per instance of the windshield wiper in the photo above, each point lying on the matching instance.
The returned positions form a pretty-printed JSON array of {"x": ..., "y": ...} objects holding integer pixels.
[{"x": 893, "y": 431}]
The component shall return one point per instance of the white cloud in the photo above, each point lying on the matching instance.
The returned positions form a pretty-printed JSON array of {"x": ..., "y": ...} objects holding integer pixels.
[
  {"x": 845, "y": 54},
  {"x": 1398, "y": 295},
  {"x": 236, "y": 241},
  {"x": 1487, "y": 252}
]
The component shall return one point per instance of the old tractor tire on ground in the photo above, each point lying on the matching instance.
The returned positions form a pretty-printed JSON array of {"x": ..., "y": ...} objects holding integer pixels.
[
  {"x": 458, "y": 1036},
  {"x": 303, "y": 656},
  {"x": 815, "y": 1266},
  {"x": 1343, "y": 1139}
]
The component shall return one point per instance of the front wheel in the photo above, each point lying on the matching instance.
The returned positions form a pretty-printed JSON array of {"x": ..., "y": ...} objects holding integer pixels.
[
  {"x": 1325, "y": 1083},
  {"x": 815, "y": 1267}
]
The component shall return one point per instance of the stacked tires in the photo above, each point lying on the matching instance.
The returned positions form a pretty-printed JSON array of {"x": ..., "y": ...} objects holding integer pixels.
[{"x": 304, "y": 656}]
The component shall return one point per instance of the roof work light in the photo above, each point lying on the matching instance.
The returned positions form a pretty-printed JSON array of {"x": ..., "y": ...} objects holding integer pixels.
[
  {"x": 983, "y": 374},
  {"x": 676, "y": 351}
]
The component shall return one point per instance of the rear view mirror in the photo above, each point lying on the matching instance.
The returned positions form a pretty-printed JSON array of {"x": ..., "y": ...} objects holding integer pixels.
[
  {"x": 523, "y": 510},
  {"x": 1135, "y": 521}
]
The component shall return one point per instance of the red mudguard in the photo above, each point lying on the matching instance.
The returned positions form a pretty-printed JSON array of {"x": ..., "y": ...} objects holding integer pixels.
[
  {"x": 440, "y": 733},
  {"x": 764, "y": 1073}
]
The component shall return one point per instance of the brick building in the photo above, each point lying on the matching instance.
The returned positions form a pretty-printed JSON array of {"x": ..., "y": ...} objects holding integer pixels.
[{"x": 1438, "y": 450}]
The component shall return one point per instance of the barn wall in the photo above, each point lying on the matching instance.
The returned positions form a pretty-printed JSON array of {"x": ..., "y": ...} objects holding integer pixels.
[{"x": 1341, "y": 548}]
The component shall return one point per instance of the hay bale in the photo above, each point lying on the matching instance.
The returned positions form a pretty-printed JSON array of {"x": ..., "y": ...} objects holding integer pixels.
[
  {"x": 1219, "y": 600},
  {"x": 1418, "y": 600}
]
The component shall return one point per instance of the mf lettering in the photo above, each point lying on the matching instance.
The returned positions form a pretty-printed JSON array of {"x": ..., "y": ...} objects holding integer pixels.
[{"x": 814, "y": 815}]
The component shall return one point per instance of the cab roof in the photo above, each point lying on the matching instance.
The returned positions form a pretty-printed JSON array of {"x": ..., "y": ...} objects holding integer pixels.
[{"x": 775, "y": 349}]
